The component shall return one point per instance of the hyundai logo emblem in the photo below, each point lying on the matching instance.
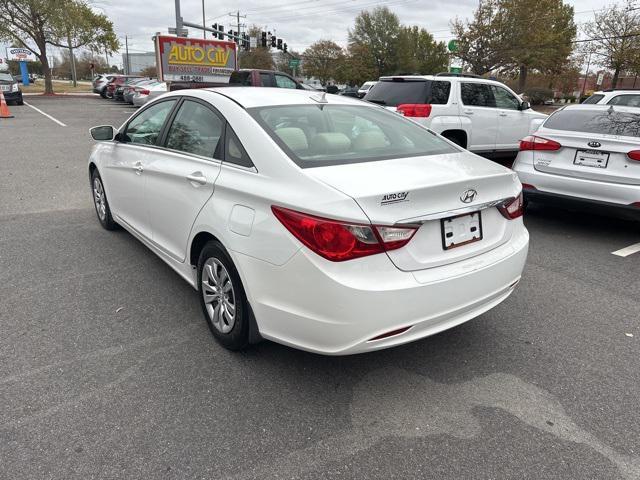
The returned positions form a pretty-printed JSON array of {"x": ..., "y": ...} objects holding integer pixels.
[
  {"x": 468, "y": 196},
  {"x": 594, "y": 144}
]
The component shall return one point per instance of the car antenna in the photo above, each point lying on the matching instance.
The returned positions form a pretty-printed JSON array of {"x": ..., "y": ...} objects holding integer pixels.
[{"x": 320, "y": 98}]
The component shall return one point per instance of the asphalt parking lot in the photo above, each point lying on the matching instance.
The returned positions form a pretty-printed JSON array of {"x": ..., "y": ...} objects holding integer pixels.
[{"x": 108, "y": 370}]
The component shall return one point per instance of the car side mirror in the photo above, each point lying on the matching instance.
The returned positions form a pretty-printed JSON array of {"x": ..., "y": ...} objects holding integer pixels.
[
  {"x": 102, "y": 133},
  {"x": 525, "y": 105}
]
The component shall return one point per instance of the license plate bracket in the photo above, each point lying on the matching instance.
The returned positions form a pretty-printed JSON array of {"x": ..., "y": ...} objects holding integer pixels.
[
  {"x": 461, "y": 230},
  {"x": 591, "y": 158}
]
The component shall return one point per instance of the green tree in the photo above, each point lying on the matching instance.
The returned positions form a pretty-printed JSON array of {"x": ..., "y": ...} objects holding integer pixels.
[
  {"x": 616, "y": 42},
  {"x": 481, "y": 41},
  {"x": 536, "y": 35},
  {"x": 322, "y": 60},
  {"x": 357, "y": 67},
  {"x": 378, "y": 31},
  {"x": 34, "y": 24},
  {"x": 418, "y": 52}
]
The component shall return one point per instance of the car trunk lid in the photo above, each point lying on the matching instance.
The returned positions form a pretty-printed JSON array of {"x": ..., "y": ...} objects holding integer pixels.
[{"x": 426, "y": 191}]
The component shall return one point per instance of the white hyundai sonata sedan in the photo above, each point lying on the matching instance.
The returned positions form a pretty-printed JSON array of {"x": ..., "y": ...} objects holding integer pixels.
[{"x": 316, "y": 221}]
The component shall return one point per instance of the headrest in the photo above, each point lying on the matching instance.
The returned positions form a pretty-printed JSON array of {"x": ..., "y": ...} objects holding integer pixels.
[
  {"x": 370, "y": 140},
  {"x": 294, "y": 138},
  {"x": 330, "y": 143}
]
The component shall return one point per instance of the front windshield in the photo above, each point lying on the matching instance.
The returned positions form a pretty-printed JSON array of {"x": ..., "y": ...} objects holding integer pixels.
[
  {"x": 6, "y": 77},
  {"x": 321, "y": 135}
]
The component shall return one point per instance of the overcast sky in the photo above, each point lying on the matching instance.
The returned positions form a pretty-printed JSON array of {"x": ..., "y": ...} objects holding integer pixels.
[{"x": 299, "y": 22}]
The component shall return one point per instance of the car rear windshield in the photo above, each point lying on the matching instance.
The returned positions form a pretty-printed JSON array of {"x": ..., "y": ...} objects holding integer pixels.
[
  {"x": 240, "y": 78},
  {"x": 322, "y": 135},
  {"x": 603, "y": 122},
  {"x": 593, "y": 99},
  {"x": 392, "y": 93}
]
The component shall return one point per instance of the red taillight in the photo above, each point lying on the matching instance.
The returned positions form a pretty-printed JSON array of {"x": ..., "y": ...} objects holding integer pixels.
[
  {"x": 634, "y": 155},
  {"x": 528, "y": 186},
  {"x": 513, "y": 208},
  {"x": 339, "y": 241},
  {"x": 538, "y": 143},
  {"x": 144, "y": 92},
  {"x": 414, "y": 109}
]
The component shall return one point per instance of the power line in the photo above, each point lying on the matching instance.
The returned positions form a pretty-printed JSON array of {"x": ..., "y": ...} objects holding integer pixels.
[{"x": 341, "y": 10}]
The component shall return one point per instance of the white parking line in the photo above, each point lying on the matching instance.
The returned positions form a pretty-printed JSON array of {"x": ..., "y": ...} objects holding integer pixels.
[
  {"x": 45, "y": 114},
  {"x": 626, "y": 251}
]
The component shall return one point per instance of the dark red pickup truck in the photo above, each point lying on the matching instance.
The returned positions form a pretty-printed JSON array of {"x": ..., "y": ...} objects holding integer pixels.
[{"x": 248, "y": 77}]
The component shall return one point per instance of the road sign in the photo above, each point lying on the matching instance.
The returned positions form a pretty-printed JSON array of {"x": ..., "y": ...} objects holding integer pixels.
[
  {"x": 294, "y": 62},
  {"x": 455, "y": 70},
  {"x": 253, "y": 42},
  {"x": 600, "y": 78},
  {"x": 183, "y": 33},
  {"x": 452, "y": 46},
  {"x": 180, "y": 59}
]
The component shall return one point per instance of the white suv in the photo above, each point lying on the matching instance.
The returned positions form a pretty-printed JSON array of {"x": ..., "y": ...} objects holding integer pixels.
[
  {"x": 478, "y": 114},
  {"x": 624, "y": 98}
]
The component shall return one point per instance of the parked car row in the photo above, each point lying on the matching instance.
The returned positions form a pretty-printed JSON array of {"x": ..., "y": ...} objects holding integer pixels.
[{"x": 134, "y": 90}]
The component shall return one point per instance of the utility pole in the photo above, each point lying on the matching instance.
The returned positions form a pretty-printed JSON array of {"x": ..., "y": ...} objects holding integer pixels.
[
  {"x": 238, "y": 17},
  {"x": 586, "y": 77},
  {"x": 126, "y": 49},
  {"x": 106, "y": 57},
  {"x": 178, "y": 19},
  {"x": 204, "y": 25},
  {"x": 73, "y": 62}
]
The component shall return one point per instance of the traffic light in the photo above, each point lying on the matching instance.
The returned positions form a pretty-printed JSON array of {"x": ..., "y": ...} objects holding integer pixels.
[
  {"x": 279, "y": 44},
  {"x": 263, "y": 42},
  {"x": 221, "y": 32},
  {"x": 230, "y": 34},
  {"x": 284, "y": 48},
  {"x": 215, "y": 27},
  {"x": 273, "y": 41}
]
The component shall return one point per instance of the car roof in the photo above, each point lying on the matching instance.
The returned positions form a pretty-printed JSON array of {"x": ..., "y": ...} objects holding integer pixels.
[
  {"x": 601, "y": 107},
  {"x": 249, "y": 97},
  {"x": 443, "y": 78}
]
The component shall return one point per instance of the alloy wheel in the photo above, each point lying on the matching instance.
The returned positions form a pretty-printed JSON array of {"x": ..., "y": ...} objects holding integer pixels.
[
  {"x": 99, "y": 199},
  {"x": 218, "y": 294}
]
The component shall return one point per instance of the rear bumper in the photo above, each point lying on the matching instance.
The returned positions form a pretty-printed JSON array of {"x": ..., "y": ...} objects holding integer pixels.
[
  {"x": 338, "y": 308},
  {"x": 12, "y": 96},
  {"x": 559, "y": 187}
]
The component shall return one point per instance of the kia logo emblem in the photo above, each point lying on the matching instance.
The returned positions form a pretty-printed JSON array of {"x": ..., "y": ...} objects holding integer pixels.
[
  {"x": 468, "y": 196},
  {"x": 594, "y": 144}
]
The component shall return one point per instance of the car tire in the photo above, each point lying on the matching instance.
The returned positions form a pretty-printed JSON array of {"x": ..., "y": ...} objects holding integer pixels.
[
  {"x": 20, "y": 102},
  {"x": 101, "y": 203},
  {"x": 222, "y": 297},
  {"x": 103, "y": 92}
]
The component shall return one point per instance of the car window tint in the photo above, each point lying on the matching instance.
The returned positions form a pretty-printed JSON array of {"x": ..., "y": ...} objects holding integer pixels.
[
  {"x": 626, "y": 100},
  {"x": 477, "y": 95},
  {"x": 145, "y": 128},
  {"x": 316, "y": 136},
  {"x": 504, "y": 99},
  {"x": 594, "y": 99},
  {"x": 604, "y": 122},
  {"x": 195, "y": 129},
  {"x": 394, "y": 93},
  {"x": 284, "y": 82},
  {"x": 440, "y": 92},
  {"x": 241, "y": 78},
  {"x": 234, "y": 151},
  {"x": 265, "y": 79}
]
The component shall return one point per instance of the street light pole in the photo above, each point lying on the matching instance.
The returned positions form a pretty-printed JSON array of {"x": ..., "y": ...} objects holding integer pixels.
[
  {"x": 178, "y": 19},
  {"x": 204, "y": 32}
]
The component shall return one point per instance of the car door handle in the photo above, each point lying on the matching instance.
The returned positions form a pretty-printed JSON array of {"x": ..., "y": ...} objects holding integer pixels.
[
  {"x": 469, "y": 112},
  {"x": 197, "y": 177},
  {"x": 138, "y": 168}
]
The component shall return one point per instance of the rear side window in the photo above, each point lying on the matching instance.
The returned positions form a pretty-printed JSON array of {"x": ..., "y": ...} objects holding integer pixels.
[
  {"x": 603, "y": 122},
  {"x": 477, "y": 95},
  {"x": 626, "y": 100},
  {"x": 265, "y": 79},
  {"x": 145, "y": 128},
  {"x": 234, "y": 152},
  {"x": 394, "y": 93},
  {"x": 440, "y": 93},
  {"x": 196, "y": 130},
  {"x": 241, "y": 78},
  {"x": 593, "y": 99}
]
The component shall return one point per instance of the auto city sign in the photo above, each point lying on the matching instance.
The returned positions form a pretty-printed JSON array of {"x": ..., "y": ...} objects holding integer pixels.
[
  {"x": 20, "y": 54},
  {"x": 182, "y": 59}
]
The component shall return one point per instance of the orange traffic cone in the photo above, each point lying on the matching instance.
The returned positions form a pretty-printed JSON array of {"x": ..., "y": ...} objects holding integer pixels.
[{"x": 4, "y": 108}]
